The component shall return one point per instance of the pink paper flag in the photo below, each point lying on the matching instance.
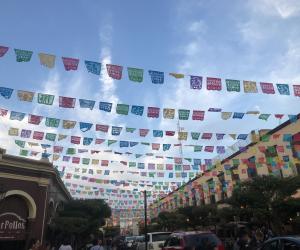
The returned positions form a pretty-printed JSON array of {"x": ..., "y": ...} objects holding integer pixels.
[
  {"x": 198, "y": 115},
  {"x": 99, "y": 141},
  {"x": 3, "y": 50},
  {"x": 153, "y": 112},
  {"x": 296, "y": 90},
  {"x": 213, "y": 83},
  {"x": 34, "y": 119},
  {"x": 3, "y": 112},
  {"x": 38, "y": 135},
  {"x": 267, "y": 88},
  {"x": 70, "y": 63},
  {"x": 102, "y": 128},
  {"x": 144, "y": 132},
  {"x": 67, "y": 102},
  {"x": 114, "y": 71},
  {"x": 75, "y": 139}
]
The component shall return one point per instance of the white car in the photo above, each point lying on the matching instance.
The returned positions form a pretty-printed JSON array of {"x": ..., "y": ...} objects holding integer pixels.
[{"x": 154, "y": 240}]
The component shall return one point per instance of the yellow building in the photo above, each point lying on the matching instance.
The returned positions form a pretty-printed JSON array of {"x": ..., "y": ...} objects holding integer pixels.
[{"x": 271, "y": 152}]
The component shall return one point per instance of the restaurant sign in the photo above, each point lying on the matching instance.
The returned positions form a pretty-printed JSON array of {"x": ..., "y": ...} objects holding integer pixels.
[{"x": 12, "y": 226}]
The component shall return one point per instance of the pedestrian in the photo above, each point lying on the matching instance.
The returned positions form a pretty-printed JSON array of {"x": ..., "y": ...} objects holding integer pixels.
[
  {"x": 243, "y": 241},
  {"x": 97, "y": 245},
  {"x": 65, "y": 245}
]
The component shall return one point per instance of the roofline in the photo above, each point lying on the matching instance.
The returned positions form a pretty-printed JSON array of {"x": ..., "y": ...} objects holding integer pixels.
[{"x": 272, "y": 131}]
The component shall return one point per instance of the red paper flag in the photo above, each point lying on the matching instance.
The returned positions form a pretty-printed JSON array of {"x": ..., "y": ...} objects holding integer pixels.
[
  {"x": 170, "y": 133},
  {"x": 67, "y": 102},
  {"x": 104, "y": 163},
  {"x": 75, "y": 139},
  {"x": 198, "y": 115},
  {"x": 296, "y": 90},
  {"x": 279, "y": 116},
  {"x": 38, "y": 135},
  {"x": 267, "y": 88},
  {"x": 3, "y": 50},
  {"x": 99, "y": 141},
  {"x": 213, "y": 83},
  {"x": 153, "y": 112},
  {"x": 70, "y": 63},
  {"x": 114, "y": 71},
  {"x": 102, "y": 128},
  {"x": 209, "y": 149},
  {"x": 76, "y": 160},
  {"x": 35, "y": 119}
]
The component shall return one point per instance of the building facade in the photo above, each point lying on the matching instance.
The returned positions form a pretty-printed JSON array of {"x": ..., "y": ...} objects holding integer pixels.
[
  {"x": 271, "y": 152},
  {"x": 31, "y": 192}
]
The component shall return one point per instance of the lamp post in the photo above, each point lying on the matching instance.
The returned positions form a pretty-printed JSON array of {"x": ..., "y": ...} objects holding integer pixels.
[{"x": 145, "y": 212}]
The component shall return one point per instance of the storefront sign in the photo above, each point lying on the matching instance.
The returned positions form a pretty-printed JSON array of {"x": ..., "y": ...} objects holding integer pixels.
[{"x": 12, "y": 227}]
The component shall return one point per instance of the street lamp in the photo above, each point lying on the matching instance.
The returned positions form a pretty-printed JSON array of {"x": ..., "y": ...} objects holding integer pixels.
[{"x": 2, "y": 192}]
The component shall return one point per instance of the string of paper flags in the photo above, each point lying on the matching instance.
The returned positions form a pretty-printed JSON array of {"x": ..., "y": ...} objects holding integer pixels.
[
  {"x": 123, "y": 109},
  {"x": 157, "y": 77}
]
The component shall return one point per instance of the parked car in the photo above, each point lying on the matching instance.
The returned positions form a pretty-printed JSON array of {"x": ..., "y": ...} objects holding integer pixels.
[
  {"x": 282, "y": 243},
  {"x": 193, "y": 241},
  {"x": 154, "y": 240}
]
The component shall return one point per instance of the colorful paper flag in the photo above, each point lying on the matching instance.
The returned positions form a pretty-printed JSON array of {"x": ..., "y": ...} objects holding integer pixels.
[
  {"x": 169, "y": 113},
  {"x": 68, "y": 124},
  {"x": 237, "y": 115},
  {"x": 114, "y": 71},
  {"x": 26, "y": 96},
  {"x": 45, "y": 99},
  {"x": 116, "y": 130},
  {"x": 102, "y": 128},
  {"x": 105, "y": 106},
  {"x": 283, "y": 89},
  {"x": 166, "y": 147},
  {"x": 157, "y": 77},
  {"x": 250, "y": 87},
  {"x": 220, "y": 149},
  {"x": 198, "y": 115},
  {"x": 137, "y": 110},
  {"x": 93, "y": 67},
  {"x": 226, "y": 115},
  {"x": 50, "y": 136},
  {"x": 195, "y": 135},
  {"x": 135, "y": 75},
  {"x": 153, "y": 112},
  {"x": 19, "y": 116},
  {"x": 264, "y": 116},
  {"x": 70, "y": 63},
  {"x": 183, "y": 114},
  {"x": 37, "y": 135},
  {"x": 267, "y": 88},
  {"x": 206, "y": 136},
  {"x": 23, "y": 55},
  {"x": 219, "y": 136},
  {"x": 198, "y": 148},
  {"x": 3, "y": 112},
  {"x": 25, "y": 133},
  {"x": 47, "y": 60},
  {"x": 182, "y": 135},
  {"x": 176, "y": 75},
  {"x": 296, "y": 90},
  {"x": 84, "y": 126},
  {"x": 13, "y": 131},
  {"x": 169, "y": 133},
  {"x": 3, "y": 50},
  {"x": 122, "y": 109},
  {"x": 155, "y": 146},
  {"x": 87, "y": 103},
  {"x": 158, "y": 133},
  {"x": 196, "y": 82},
  {"x": 213, "y": 83},
  {"x": 143, "y": 132},
  {"x": 6, "y": 92},
  {"x": 67, "y": 102},
  {"x": 52, "y": 122},
  {"x": 75, "y": 139},
  {"x": 233, "y": 85}
]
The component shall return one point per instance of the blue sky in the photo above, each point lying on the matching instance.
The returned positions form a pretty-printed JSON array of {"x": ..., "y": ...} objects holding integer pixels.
[{"x": 246, "y": 40}]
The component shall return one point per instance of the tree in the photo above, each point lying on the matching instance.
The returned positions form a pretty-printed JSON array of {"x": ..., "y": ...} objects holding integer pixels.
[{"x": 80, "y": 219}]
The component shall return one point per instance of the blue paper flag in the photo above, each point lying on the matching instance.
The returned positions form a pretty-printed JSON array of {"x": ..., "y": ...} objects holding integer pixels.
[
  {"x": 124, "y": 144},
  {"x": 105, "y": 106},
  {"x": 86, "y": 104},
  {"x": 238, "y": 115},
  {"x": 158, "y": 133},
  {"x": 242, "y": 136},
  {"x": 157, "y": 77},
  {"x": 116, "y": 130},
  {"x": 87, "y": 141},
  {"x": 166, "y": 147},
  {"x": 6, "y": 92},
  {"x": 195, "y": 167},
  {"x": 197, "y": 161},
  {"x": 141, "y": 165},
  {"x": 17, "y": 115},
  {"x": 283, "y": 89},
  {"x": 137, "y": 110},
  {"x": 171, "y": 175},
  {"x": 85, "y": 126},
  {"x": 132, "y": 143},
  {"x": 93, "y": 67}
]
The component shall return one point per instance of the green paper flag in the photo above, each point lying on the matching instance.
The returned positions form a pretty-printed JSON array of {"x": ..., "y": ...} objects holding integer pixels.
[
  {"x": 122, "y": 109},
  {"x": 110, "y": 142},
  {"x": 20, "y": 143},
  {"x": 85, "y": 161},
  {"x": 233, "y": 85},
  {"x": 135, "y": 75},
  {"x": 195, "y": 135},
  {"x": 23, "y": 55},
  {"x": 52, "y": 122},
  {"x": 50, "y": 136},
  {"x": 265, "y": 138},
  {"x": 71, "y": 151},
  {"x": 183, "y": 114},
  {"x": 45, "y": 99},
  {"x": 24, "y": 152}
]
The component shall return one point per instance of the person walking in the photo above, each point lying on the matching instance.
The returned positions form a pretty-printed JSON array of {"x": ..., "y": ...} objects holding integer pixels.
[
  {"x": 65, "y": 245},
  {"x": 97, "y": 245}
]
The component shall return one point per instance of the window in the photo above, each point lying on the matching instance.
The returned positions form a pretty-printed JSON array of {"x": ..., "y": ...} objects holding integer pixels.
[
  {"x": 289, "y": 245},
  {"x": 173, "y": 242},
  {"x": 273, "y": 245}
]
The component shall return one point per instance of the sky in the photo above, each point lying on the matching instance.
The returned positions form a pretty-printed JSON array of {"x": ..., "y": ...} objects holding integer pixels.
[{"x": 255, "y": 40}]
